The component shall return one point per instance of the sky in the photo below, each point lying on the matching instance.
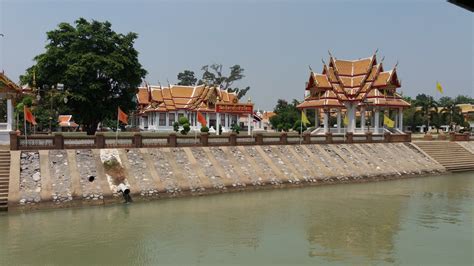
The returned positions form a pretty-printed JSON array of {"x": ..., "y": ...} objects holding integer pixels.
[{"x": 274, "y": 41}]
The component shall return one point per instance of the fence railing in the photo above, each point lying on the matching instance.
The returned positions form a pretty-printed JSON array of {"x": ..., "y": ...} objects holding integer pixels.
[{"x": 99, "y": 141}]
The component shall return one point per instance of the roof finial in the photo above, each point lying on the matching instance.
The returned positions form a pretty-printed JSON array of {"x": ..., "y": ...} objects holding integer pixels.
[
  {"x": 159, "y": 84},
  {"x": 382, "y": 59},
  {"x": 310, "y": 69},
  {"x": 324, "y": 63},
  {"x": 329, "y": 52},
  {"x": 169, "y": 86},
  {"x": 395, "y": 65},
  {"x": 376, "y": 50}
]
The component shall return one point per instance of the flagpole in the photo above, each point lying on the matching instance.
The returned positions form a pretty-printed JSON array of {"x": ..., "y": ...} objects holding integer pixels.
[
  {"x": 26, "y": 138},
  {"x": 301, "y": 125},
  {"x": 195, "y": 129},
  {"x": 116, "y": 130}
]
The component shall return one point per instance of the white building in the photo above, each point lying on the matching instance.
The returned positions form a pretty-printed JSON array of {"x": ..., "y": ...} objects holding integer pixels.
[{"x": 160, "y": 107}]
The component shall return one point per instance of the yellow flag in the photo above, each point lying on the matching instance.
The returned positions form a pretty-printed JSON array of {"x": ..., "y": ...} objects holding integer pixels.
[
  {"x": 439, "y": 88},
  {"x": 304, "y": 119},
  {"x": 388, "y": 122},
  {"x": 346, "y": 120}
]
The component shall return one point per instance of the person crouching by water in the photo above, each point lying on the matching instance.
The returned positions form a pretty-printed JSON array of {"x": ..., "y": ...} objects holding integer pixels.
[{"x": 122, "y": 188}]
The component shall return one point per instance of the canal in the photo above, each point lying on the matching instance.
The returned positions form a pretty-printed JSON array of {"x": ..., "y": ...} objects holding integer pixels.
[{"x": 416, "y": 221}]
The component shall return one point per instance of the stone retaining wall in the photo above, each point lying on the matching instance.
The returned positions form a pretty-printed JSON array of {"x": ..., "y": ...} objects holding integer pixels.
[{"x": 59, "y": 178}]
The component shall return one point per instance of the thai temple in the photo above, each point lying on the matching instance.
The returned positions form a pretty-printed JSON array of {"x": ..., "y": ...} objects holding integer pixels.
[
  {"x": 159, "y": 107},
  {"x": 8, "y": 93},
  {"x": 355, "y": 88}
]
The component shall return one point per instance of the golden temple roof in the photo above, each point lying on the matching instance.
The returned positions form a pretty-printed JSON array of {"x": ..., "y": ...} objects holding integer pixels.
[
  {"x": 362, "y": 80},
  {"x": 178, "y": 97}
]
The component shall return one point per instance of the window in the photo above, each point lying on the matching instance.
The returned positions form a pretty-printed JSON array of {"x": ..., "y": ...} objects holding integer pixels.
[
  {"x": 162, "y": 119},
  {"x": 152, "y": 119},
  {"x": 171, "y": 117},
  {"x": 223, "y": 120}
]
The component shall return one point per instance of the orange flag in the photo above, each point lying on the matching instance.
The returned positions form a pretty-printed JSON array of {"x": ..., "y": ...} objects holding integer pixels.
[
  {"x": 29, "y": 116},
  {"x": 201, "y": 119},
  {"x": 122, "y": 117}
]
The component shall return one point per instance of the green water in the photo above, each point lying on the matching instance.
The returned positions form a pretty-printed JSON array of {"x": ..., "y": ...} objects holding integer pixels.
[{"x": 418, "y": 221}]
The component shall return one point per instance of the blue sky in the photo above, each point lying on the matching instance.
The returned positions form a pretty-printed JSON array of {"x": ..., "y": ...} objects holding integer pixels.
[{"x": 274, "y": 41}]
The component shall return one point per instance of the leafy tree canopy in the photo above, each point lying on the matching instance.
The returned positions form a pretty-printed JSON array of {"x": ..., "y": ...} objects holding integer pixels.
[
  {"x": 286, "y": 115},
  {"x": 98, "y": 67},
  {"x": 187, "y": 78},
  {"x": 213, "y": 75}
]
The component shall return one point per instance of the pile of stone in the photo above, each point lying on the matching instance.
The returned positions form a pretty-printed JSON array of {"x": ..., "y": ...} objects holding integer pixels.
[
  {"x": 229, "y": 168},
  {"x": 30, "y": 178},
  {"x": 139, "y": 171},
  {"x": 208, "y": 168},
  {"x": 60, "y": 177},
  {"x": 275, "y": 156},
  {"x": 165, "y": 171},
  {"x": 302, "y": 171},
  {"x": 317, "y": 171},
  {"x": 182, "y": 161},
  {"x": 91, "y": 189},
  {"x": 266, "y": 173},
  {"x": 243, "y": 166}
]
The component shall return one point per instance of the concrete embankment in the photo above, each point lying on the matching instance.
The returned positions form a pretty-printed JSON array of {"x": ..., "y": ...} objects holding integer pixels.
[{"x": 64, "y": 178}]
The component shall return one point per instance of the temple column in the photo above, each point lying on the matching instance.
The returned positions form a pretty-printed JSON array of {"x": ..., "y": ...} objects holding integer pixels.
[
  {"x": 9, "y": 114},
  {"x": 400, "y": 117},
  {"x": 353, "y": 118},
  {"x": 362, "y": 119},
  {"x": 218, "y": 121},
  {"x": 208, "y": 118},
  {"x": 316, "y": 117},
  {"x": 338, "y": 120},
  {"x": 396, "y": 120},
  {"x": 249, "y": 127},
  {"x": 376, "y": 120},
  {"x": 226, "y": 120},
  {"x": 326, "y": 121}
]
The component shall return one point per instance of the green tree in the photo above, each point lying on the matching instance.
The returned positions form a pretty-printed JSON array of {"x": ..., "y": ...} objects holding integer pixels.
[
  {"x": 213, "y": 75},
  {"x": 286, "y": 115},
  {"x": 460, "y": 99},
  {"x": 187, "y": 78},
  {"x": 98, "y": 67},
  {"x": 427, "y": 108}
]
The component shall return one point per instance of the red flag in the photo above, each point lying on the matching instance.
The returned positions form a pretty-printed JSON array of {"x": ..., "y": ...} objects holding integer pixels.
[
  {"x": 122, "y": 117},
  {"x": 28, "y": 115},
  {"x": 201, "y": 119}
]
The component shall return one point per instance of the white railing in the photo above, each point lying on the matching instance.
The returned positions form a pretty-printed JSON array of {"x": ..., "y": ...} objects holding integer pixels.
[{"x": 3, "y": 126}]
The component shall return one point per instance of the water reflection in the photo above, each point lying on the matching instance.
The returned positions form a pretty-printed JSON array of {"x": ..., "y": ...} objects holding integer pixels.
[{"x": 356, "y": 224}]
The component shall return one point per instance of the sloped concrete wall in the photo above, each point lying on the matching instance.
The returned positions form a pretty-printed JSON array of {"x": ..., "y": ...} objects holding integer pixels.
[{"x": 59, "y": 178}]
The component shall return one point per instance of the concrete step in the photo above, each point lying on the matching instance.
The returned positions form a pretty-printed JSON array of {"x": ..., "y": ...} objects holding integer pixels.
[{"x": 451, "y": 155}]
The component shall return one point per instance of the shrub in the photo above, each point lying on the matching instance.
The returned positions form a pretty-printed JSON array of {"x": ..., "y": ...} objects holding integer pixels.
[
  {"x": 186, "y": 129},
  {"x": 183, "y": 120},
  {"x": 235, "y": 128},
  {"x": 297, "y": 126},
  {"x": 204, "y": 129},
  {"x": 176, "y": 126}
]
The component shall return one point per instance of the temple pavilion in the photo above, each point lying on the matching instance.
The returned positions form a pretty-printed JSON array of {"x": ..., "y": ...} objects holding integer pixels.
[
  {"x": 356, "y": 89},
  {"x": 8, "y": 93},
  {"x": 159, "y": 107}
]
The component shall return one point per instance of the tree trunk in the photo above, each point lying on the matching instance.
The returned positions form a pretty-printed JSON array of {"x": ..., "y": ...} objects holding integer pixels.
[{"x": 91, "y": 128}]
